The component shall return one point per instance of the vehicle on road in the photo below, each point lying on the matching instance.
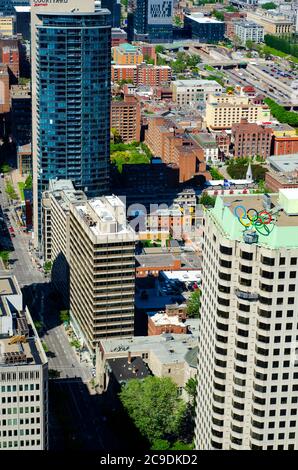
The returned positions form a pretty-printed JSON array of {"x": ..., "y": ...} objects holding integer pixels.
[{"x": 11, "y": 231}]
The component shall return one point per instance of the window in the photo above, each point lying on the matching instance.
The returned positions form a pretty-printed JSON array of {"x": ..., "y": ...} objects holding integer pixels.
[
  {"x": 267, "y": 261},
  {"x": 225, "y": 250},
  {"x": 281, "y": 275}
]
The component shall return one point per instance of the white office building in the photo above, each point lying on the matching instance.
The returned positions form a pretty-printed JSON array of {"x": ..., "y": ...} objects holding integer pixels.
[
  {"x": 23, "y": 375},
  {"x": 187, "y": 92}
]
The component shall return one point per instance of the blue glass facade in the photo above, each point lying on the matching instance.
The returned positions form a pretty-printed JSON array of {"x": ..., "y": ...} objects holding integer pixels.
[
  {"x": 73, "y": 62},
  {"x": 150, "y": 20},
  {"x": 114, "y": 6}
]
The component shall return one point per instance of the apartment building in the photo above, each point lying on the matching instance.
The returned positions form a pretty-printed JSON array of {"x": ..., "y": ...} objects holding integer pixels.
[
  {"x": 251, "y": 140},
  {"x": 126, "y": 118},
  {"x": 186, "y": 92},
  {"x": 174, "y": 146},
  {"x": 224, "y": 110},
  {"x": 23, "y": 375},
  {"x": 143, "y": 74},
  {"x": 55, "y": 231},
  {"x": 127, "y": 54},
  {"x": 229, "y": 19},
  {"x": 285, "y": 139},
  {"x": 247, "y": 354},
  {"x": 249, "y": 31},
  {"x": 273, "y": 23},
  {"x": 7, "y": 26},
  {"x": 204, "y": 28},
  {"x": 102, "y": 270}
]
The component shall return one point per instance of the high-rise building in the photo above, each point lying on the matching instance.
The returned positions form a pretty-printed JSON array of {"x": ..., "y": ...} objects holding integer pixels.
[
  {"x": 20, "y": 96},
  {"x": 150, "y": 20},
  {"x": 126, "y": 118},
  {"x": 114, "y": 6},
  {"x": 71, "y": 75},
  {"x": 247, "y": 358},
  {"x": 102, "y": 270},
  {"x": 23, "y": 375}
]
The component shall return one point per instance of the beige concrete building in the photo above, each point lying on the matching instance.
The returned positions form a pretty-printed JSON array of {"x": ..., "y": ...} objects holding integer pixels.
[
  {"x": 186, "y": 92},
  {"x": 167, "y": 355},
  {"x": 273, "y": 23},
  {"x": 247, "y": 358},
  {"x": 222, "y": 111},
  {"x": 55, "y": 203},
  {"x": 23, "y": 375},
  {"x": 102, "y": 270},
  {"x": 7, "y": 26}
]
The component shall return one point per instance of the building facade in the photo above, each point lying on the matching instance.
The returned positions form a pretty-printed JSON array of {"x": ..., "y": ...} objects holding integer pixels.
[
  {"x": 7, "y": 26},
  {"x": 225, "y": 110},
  {"x": 71, "y": 116},
  {"x": 21, "y": 108},
  {"x": 102, "y": 270},
  {"x": 143, "y": 74},
  {"x": 23, "y": 375},
  {"x": 126, "y": 54},
  {"x": 249, "y": 31},
  {"x": 150, "y": 20},
  {"x": 251, "y": 140},
  {"x": 186, "y": 92},
  {"x": 126, "y": 118},
  {"x": 273, "y": 23},
  {"x": 204, "y": 28},
  {"x": 247, "y": 362},
  {"x": 114, "y": 6}
]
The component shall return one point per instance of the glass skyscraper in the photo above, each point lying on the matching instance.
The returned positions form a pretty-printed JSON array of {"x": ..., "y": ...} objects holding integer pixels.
[
  {"x": 150, "y": 20},
  {"x": 71, "y": 63}
]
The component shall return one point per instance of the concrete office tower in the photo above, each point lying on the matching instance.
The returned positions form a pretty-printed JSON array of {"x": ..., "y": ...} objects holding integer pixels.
[
  {"x": 102, "y": 270},
  {"x": 247, "y": 367},
  {"x": 55, "y": 231},
  {"x": 23, "y": 375},
  {"x": 71, "y": 75}
]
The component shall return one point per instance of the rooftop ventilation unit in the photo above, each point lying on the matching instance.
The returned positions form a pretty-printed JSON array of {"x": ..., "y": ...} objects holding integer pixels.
[{"x": 250, "y": 237}]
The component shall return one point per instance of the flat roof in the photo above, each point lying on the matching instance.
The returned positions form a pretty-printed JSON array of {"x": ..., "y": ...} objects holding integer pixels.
[
  {"x": 284, "y": 163},
  {"x": 183, "y": 276},
  {"x": 146, "y": 261},
  {"x": 123, "y": 370},
  {"x": 194, "y": 82},
  {"x": 283, "y": 230},
  {"x": 203, "y": 19},
  {"x": 168, "y": 348}
]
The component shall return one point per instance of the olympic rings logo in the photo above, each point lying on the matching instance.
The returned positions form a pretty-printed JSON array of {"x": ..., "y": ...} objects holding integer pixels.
[{"x": 259, "y": 220}]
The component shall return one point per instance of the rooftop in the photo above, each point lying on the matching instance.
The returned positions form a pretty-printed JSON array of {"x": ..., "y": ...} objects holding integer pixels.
[
  {"x": 284, "y": 163},
  {"x": 124, "y": 370},
  {"x": 126, "y": 47},
  {"x": 168, "y": 348},
  {"x": 203, "y": 19},
  {"x": 162, "y": 319},
  {"x": 18, "y": 337},
  {"x": 194, "y": 83},
  {"x": 284, "y": 210}
]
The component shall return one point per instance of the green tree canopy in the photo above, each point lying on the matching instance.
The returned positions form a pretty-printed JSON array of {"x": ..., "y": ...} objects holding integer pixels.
[
  {"x": 154, "y": 407},
  {"x": 207, "y": 200},
  {"x": 28, "y": 182},
  {"x": 194, "y": 303},
  {"x": 159, "y": 49},
  {"x": 64, "y": 316},
  {"x": 269, "y": 6}
]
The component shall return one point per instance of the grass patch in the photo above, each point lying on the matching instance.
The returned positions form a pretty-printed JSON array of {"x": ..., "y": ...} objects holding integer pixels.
[
  {"x": 133, "y": 153},
  {"x": 272, "y": 51},
  {"x": 21, "y": 188}
]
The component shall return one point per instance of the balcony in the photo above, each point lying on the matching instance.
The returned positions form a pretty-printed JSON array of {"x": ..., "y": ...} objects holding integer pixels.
[{"x": 246, "y": 295}]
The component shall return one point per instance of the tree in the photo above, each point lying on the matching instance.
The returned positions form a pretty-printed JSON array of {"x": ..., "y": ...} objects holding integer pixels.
[
  {"x": 218, "y": 15},
  {"x": 207, "y": 200},
  {"x": 249, "y": 44},
  {"x": 193, "y": 304},
  {"x": 28, "y": 182},
  {"x": 160, "y": 444},
  {"x": 159, "y": 49},
  {"x": 64, "y": 316},
  {"x": 269, "y": 6},
  {"x": 116, "y": 136},
  {"x": 154, "y": 407},
  {"x": 5, "y": 168},
  {"x": 4, "y": 255},
  {"x": 47, "y": 266}
]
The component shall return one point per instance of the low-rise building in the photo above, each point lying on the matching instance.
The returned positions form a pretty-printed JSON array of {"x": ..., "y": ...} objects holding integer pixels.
[
  {"x": 165, "y": 355},
  {"x": 23, "y": 374},
  {"x": 11, "y": 57},
  {"x": 209, "y": 145},
  {"x": 249, "y": 31},
  {"x": 251, "y": 139},
  {"x": 283, "y": 172},
  {"x": 161, "y": 323},
  {"x": 118, "y": 36},
  {"x": 127, "y": 54},
  {"x": 7, "y": 26},
  {"x": 272, "y": 22},
  {"x": 24, "y": 156},
  {"x": 143, "y": 74},
  {"x": 204, "y": 28},
  {"x": 186, "y": 92}
]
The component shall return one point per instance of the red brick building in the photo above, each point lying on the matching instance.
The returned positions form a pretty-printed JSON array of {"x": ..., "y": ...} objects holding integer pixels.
[
  {"x": 161, "y": 323},
  {"x": 229, "y": 20},
  {"x": 10, "y": 56},
  {"x": 126, "y": 118},
  {"x": 285, "y": 145},
  {"x": 173, "y": 146},
  {"x": 143, "y": 74},
  {"x": 4, "y": 90},
  {"x": 119, "y": 36},
  {"x": 251, "y": 139}
]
